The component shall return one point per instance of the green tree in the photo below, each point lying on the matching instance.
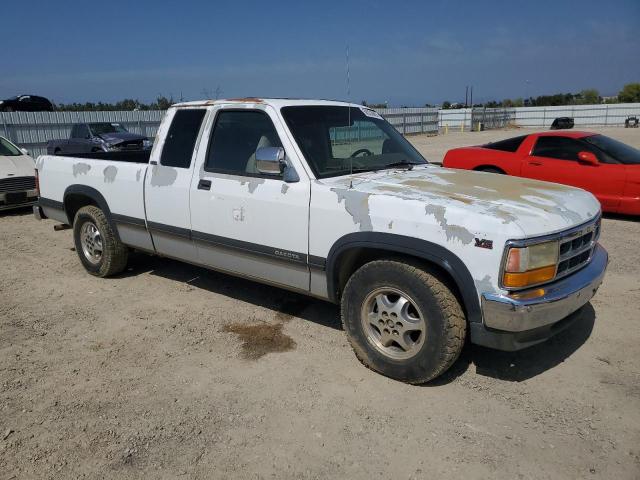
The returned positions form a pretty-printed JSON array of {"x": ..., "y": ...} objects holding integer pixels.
[
  {"x": 630, "y": 93},
  {"x": 590, "y": 96},
  {"x": 446, "y": 105}
]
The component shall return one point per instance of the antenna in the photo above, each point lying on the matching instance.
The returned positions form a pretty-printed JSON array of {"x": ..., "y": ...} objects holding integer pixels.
[{"x": 349, "y": 117}]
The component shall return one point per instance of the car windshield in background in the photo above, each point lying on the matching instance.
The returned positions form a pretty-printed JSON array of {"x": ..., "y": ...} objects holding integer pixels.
[
  {"x": 8, "y": 149},
  {"x": 337, "y": 139},
  {"x": 102, "y": 128},
  {"x": 621, "y": 152}
]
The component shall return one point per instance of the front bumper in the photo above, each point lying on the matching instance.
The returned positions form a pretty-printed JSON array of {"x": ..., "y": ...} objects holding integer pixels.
[
  {"x": 518, "y": 320},
  {"x": 30, "y": 198}
]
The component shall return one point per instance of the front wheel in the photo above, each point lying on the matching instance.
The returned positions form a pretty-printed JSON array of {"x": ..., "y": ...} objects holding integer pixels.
[
  {"x": 402, "y": 321},
  {"x": 101, "y": 252}
]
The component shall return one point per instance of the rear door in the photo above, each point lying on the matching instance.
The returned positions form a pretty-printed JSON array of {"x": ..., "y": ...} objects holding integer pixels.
[
  {"x": 555, "y": 159},
  {"x": 245, "y": 222},
  {"x": 168, "y": 182}
]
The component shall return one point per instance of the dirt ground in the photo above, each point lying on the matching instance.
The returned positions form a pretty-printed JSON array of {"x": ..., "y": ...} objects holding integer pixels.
[{"x": 172, "y": 371}]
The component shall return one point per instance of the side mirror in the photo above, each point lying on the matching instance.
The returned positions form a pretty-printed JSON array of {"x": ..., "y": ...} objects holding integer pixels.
[
  {"x": 25, "y": 151},
  {"x": 587, "y": 157},
  {"x": 270, "y": 160}
]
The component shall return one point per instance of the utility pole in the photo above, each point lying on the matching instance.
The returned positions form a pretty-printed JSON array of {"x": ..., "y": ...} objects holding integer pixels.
[
  {"x": 471, "y": 101},
  {"x": 466, "y": 96}
]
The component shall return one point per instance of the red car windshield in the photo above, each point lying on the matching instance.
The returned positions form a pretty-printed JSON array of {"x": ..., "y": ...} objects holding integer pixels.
[{"x": 620, "y": 152}]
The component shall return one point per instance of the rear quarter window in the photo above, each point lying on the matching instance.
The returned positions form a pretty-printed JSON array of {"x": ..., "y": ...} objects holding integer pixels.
[
  {"x": 508, "y": 145},
  {"x": 181, "y": 138}
]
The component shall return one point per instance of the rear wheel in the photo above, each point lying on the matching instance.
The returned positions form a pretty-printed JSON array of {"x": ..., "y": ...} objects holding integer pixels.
[
  {"x": 102, "y": 254},
  {"x": 490, "y": 170},
  {"x": 402, "y": 321}
]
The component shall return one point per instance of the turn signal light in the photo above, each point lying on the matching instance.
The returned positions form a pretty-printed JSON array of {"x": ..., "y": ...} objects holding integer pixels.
[{"x": 532, "y": 277}]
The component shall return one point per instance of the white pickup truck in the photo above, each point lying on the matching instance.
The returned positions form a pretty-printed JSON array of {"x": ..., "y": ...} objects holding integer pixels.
[{"x": 328, "y": 199}]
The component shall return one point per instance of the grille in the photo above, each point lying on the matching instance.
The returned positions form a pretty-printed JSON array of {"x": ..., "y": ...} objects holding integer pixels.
[
  {"x": 576, "y": 249},
  {"x": 131, "y": 145},
  {"x": 17, "y": 184}
]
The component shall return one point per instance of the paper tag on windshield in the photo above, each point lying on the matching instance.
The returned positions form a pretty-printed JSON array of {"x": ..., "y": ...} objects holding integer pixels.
[{"x": 371, "y": 113}]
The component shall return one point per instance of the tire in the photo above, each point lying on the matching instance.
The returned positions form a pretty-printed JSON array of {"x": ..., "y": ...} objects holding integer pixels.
[
  {"x": 376, "y": 292},
  {"x": 490, "y": 170},
  {"x": 101, "y": 252}
]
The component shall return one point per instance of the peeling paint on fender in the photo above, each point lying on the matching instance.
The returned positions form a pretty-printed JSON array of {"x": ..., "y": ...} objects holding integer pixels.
[
  {"x": 81, "y": 168},
  {"x": 110, "y": 173},
  {"x": 357, "y": 204},
  {"x": 284, "y": 188},
  {"x": 485, "y": 285},
  {"x": 451, "y": 231}
]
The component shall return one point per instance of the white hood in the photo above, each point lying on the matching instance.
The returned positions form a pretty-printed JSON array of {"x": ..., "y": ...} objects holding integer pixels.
[
  {"x": 16, "y": 166},
  {"x": 538, "y": 208}
]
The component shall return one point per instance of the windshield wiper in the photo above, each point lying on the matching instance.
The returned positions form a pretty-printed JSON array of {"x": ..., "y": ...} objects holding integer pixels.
[{"x": 402, "y": 163}]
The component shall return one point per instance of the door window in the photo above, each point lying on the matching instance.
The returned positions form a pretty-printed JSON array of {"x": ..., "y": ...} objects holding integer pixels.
[
  {"x": 80, "y": 131},
  {"x": 236, "y": 137},
  {"x": 561, "y": 148},
  {"x": 181, "y": 138}
]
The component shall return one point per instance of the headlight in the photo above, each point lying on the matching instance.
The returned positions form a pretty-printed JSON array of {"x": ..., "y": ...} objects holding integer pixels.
[{"x": 532, "y": 265}]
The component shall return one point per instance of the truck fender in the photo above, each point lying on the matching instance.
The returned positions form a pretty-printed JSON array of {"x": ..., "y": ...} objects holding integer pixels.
[
  {"x": 96, "y": 197},
  {"x": 414, "y": 247}
]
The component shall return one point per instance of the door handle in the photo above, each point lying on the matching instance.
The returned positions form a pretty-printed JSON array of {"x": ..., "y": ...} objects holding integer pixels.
[
  {"x": 204, "y": 184},
  {"x": 535, "y": 164}
]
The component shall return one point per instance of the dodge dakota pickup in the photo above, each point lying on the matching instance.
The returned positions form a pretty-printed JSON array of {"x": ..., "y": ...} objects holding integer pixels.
[{"x": 328, "y": 199}]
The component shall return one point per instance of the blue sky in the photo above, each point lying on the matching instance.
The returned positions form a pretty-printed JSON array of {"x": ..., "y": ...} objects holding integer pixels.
[{"x": 403, "y": 52}]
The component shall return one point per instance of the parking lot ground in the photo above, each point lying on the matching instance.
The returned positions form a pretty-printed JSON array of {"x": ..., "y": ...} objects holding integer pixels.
[{"x": 170, "y": 370}]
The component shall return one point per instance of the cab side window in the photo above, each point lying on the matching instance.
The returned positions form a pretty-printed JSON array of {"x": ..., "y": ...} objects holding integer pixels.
[
  {"x": 80, "y": 131},
  {"x": 181, "y": 138},
  {"x": 236, "y": 137}
]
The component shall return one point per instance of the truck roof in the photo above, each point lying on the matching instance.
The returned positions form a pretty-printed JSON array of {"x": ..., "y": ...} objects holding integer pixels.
[{"x": 274, "y": 102}]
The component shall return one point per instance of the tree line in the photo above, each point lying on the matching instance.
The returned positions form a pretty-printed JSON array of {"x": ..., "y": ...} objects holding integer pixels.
[
  {"x": 128, "y": 104},
  {"x": 630, "y": 93}
]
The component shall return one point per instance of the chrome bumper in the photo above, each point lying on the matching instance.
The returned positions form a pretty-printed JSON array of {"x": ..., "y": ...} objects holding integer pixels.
[{"x": 545, "y": 305}]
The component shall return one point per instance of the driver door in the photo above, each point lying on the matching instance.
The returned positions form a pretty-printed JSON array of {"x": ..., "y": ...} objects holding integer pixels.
[
  {"x": 245, "y": 222},
  {"x": 555, "y": 159}
]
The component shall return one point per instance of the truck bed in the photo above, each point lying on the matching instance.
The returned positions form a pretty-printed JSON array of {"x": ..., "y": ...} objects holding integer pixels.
[
  {"x": 116, "y": 176},
  {"x": 134, "y": 156}
]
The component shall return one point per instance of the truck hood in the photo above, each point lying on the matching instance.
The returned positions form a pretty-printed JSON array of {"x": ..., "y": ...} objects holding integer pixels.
[
  {"x": 538, "y": 208},
  {"x": 119, "y": 137},
  {"x": 16, "y": 166}
]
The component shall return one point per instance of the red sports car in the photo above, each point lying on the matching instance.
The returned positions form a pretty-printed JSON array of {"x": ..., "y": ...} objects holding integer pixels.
[{"x": 605, "y": 167}]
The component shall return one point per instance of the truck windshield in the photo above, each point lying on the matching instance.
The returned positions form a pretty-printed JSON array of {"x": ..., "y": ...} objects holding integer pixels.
[
  {"x": 102, "y": 128},
  {"x": 338, "y": 139},
  {"x": 8, "y": 149}
]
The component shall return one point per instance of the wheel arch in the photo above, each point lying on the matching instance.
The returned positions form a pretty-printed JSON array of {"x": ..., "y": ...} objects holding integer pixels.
[
  {"x": 77, "y": 196},
  {"x": 486, "y": 166},
  {"x": 353, "y": 250}
]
